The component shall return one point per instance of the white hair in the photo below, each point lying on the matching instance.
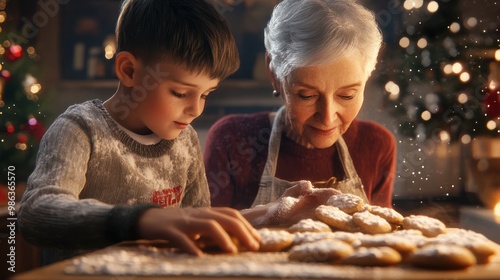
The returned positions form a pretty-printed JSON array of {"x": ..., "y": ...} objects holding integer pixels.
[{"x": 305, "y": 33}]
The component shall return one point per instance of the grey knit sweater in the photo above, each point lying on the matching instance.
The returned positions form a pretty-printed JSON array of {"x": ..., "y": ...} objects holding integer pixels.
[{"x": 92, "y": 181}]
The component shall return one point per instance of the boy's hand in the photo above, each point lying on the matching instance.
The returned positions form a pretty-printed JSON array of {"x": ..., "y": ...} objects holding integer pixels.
[{"x": 183, "y": 226}]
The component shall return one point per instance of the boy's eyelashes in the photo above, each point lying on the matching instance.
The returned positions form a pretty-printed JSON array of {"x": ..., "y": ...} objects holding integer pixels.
[
  {"x": 181, "y": 95},
  {"x": 177, "y": 94}
]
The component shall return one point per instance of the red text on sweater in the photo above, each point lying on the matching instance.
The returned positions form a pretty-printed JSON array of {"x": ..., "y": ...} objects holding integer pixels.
[{"x": 167, "y": 197}]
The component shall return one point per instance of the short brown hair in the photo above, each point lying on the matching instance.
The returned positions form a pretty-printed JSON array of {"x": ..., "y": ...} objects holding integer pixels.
[{"x": 191, "y": 32}]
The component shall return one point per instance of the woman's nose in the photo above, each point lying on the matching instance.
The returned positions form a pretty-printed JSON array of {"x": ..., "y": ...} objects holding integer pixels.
[{"x": 328, "y": 112}]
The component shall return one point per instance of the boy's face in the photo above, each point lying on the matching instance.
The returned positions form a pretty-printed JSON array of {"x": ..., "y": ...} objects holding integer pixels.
[{"x": 169, "y": 97}]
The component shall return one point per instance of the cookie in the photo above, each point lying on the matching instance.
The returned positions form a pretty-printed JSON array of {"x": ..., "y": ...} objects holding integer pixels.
[
  {"x": 328, "y": 250},
  {"x": 335, "y": 217},
  {"x": 309, "y": 225},
  {"x": 478, "y": 244},
  {"x": 398, "y": 243},
  {"x": 374, "y": 256},
  {"x": 308, "y": 237},
  {"x": 429, "y": 227},
  {"x": 412, "y": 235},
  {"x": 347, "y": 237},
  {"x": 442, "y": 256},
  {"x": 274, "y": 240},
  {"x": 346, "y": 202},
  {"x": 389, "y": 214},
  {"x": 370, "y": 223}
]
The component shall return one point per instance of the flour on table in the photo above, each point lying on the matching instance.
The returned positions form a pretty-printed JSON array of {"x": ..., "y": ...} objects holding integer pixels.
[{"x": 151, "y": 261}]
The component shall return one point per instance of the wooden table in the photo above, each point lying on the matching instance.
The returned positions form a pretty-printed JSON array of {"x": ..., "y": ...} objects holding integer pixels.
[{"x": 56, "y": 271}]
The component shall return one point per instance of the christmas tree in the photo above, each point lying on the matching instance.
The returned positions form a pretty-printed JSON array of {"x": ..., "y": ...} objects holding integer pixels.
[
  {"x": 21, "y": 112},
  {"x": 441, "y": 83}
]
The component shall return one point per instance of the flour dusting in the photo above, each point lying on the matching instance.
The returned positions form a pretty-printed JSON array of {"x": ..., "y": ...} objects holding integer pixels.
[{"x": 151, "y": 261}]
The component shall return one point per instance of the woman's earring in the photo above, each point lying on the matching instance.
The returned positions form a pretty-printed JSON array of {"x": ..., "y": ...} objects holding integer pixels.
[{"x": 276, "y": 93}]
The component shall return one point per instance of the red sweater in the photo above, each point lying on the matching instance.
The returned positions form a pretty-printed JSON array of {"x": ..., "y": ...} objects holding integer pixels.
[{"x": 236, "y": 152}]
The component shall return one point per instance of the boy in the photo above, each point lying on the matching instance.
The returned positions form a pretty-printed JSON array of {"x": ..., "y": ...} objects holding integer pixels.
[{"x": 105, "y": 170}]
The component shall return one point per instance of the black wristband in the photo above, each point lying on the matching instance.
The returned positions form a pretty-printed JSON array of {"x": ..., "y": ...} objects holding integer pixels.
[{"x": 121, "y": 223}]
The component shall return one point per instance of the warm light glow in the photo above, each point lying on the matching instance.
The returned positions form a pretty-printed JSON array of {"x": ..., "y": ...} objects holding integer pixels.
[
  {"x": 30, "y": 50},
  {"x": 444, "y": 136},
  {"x": 36, "y": 88},
  {"x": 432, "y": 7},
  {"x": 413, "y": 4},
  {"x": 404, "y": 42},
  {"x": 21, "y": 146},
  {"x": 393, "y": 90},
  {"x": 457, "y": 67},
  {"x": 466, "y": 139},
  {"x": 3, "y": 16},
  {"x": 462, "y": 98},
  {"x": 471, "y": 22},
  {"x": 109, "y": 47},
  {"x": 448, "y": 69},
  {"x": 422, "y": 43},
  {"x": 497, "y": 55},
  {"x": 496, "y": 210},
  {"x": 492, "y": 85},
  {"x": 491, "y": 125},
  {"x": 426, "y": 115},
  {"x": 455, "y": 27},
  {"x": 464, "y": 77}
]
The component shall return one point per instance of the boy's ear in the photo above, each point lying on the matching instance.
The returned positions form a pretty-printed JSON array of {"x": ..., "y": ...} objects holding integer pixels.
[{"x": 125, "y": 68}]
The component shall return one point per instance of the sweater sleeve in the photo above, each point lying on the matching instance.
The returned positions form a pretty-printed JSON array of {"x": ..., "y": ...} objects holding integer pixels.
[
  {"x": 217, "y": 164},
  {"x": 386, "y": 171},
  {"x": 51, "y": 213}
]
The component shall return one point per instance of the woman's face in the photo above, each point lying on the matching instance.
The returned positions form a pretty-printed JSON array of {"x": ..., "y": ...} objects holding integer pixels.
[{"x": 322, "y": 101}]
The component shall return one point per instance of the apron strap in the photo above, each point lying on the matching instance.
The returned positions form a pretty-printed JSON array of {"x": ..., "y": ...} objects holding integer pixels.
[
  {"x": 345, "y": 159},
  {"x": 273, "y": 149}
]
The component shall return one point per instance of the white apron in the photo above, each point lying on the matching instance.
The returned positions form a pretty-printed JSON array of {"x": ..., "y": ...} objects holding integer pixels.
[{"x": 271, "y": 188}]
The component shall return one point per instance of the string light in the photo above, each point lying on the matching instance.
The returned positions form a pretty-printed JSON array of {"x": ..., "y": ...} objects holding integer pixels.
[
  {"x": 448, "y": 69},
  {"x": 109, "y": 47},
  {"x": 462, "y": 98},
  {"x": 444, "y": 136},
  {"x": 491, "y": 125},
  {"x": 404, "y": 42},
  {"x": 465, "y": 139},
  {"x": 464, "y": 77},
  {"x": 426, "y": 115},
  {"x": 393, "y": 90},
  {"x": 413, "y": 4},
  {"x": 457, "y": 67},
  {"x": 422, "y": 43},
  {"x": 455, "y": 27},
  {"x": 471, "y": 22},
  {"x": 432, "y": 7}
]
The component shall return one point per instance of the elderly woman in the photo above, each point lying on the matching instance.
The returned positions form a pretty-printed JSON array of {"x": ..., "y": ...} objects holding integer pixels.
[{"x": 320, "y": 54}]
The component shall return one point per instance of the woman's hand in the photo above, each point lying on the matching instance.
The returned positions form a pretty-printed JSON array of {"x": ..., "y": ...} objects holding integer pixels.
[
  {"x": 297, "y": 202},
  {"x": 184, "y": 226}
]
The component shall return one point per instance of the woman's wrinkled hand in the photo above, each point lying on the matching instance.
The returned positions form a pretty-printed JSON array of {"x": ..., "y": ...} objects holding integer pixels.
[
  {"x": 297, "y": 202},
  {"x": 183, "y": 227}
]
